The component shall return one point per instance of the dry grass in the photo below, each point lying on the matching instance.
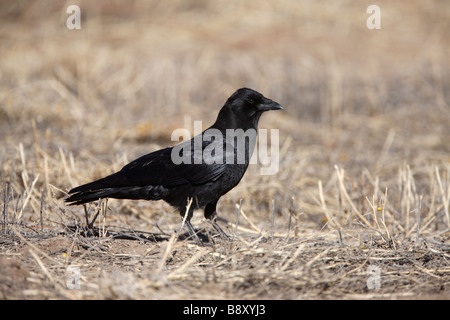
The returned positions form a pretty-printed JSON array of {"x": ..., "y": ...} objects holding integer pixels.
[{"x": 364, "y": 174}]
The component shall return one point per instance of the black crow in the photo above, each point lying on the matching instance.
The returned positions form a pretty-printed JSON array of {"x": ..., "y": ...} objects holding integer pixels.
[{"x": 202, "y": 169}]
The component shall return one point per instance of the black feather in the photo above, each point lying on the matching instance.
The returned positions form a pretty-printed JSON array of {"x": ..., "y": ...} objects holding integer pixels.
[{"x": 156, "y": 176}]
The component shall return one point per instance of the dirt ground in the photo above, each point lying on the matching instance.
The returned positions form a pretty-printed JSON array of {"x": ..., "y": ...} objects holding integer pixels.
[
  {"x": 358, "y": 208},
  {"x": 249, "y": 268}
]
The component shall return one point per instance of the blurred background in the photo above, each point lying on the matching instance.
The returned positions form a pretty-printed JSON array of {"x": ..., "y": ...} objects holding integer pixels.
[{"x": 375, "y": 100}]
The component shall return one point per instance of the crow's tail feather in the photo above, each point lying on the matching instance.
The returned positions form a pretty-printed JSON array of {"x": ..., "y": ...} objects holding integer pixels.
[{"x": 84, "y": 195}]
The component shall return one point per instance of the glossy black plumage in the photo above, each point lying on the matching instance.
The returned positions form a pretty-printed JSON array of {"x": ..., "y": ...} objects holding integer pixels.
[{"x": 156, "y": 176}]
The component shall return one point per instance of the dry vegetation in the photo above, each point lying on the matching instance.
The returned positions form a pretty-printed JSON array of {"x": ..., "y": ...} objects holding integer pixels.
[{"x": 364, "y": 175}]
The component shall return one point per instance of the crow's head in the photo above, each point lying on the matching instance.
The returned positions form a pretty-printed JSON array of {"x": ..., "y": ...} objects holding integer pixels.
[{"x": 243, "y": 109}]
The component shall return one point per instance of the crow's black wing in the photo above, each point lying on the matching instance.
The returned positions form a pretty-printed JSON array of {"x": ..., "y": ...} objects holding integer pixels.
[
  {"x": 163, "y": 167},
  {"x": 159, "y": 169}
]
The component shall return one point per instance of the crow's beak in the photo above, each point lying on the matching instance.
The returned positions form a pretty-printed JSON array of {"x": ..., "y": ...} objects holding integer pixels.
[{"x": 269, "y": 105}]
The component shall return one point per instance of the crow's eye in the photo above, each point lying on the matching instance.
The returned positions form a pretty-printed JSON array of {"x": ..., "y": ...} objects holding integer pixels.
[{"x": 251, "y": 101}]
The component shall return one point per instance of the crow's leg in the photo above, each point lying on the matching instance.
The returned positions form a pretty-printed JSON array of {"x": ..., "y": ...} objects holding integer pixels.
[
  {"x": 193, "y": 233},
  {"x": 187, "y": 220},
  {"x": 186, "y": 215},
  {"x": 211, "y": 214}
]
